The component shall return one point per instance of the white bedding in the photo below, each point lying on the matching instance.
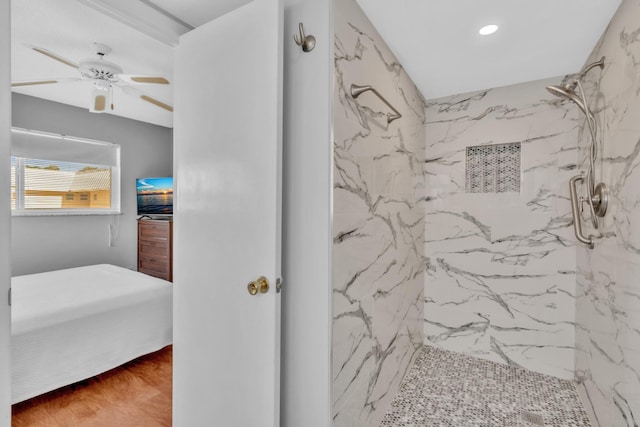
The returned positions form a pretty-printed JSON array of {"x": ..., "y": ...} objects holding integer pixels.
[{"x": 72, "y": 324}]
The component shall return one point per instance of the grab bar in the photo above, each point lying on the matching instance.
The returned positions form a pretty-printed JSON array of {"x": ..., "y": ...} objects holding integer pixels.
[
  {"x": 575, "y": 209},
  {"x": 356, "y": 91}
]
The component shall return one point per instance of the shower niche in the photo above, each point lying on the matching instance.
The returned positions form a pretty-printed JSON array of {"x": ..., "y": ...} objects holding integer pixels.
[{"x": 493, "y": 168}]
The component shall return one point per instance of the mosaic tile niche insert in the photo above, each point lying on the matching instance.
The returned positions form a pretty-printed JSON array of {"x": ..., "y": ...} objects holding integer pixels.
[{"x": 493, "y": 168}]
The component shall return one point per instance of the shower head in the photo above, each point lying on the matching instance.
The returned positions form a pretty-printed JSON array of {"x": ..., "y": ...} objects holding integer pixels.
[{"x": 566, "y": 91}]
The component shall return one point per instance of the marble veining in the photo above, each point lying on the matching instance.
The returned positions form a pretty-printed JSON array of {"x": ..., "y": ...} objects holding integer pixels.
[
  {"x": 500, "y": 267},
  {"x": 504, "y": 278},
  {"x": 608, "y": 285},
  {"x": 378, "y": 224}
]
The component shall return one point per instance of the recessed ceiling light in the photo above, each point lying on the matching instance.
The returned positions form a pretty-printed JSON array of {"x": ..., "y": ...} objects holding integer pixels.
[{"x": 488, "y": 29}]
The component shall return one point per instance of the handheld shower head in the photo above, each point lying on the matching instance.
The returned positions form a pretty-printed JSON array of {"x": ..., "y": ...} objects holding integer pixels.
[
  {"x": 597, "y": 200},
  {"x": 566, "y": 91}
]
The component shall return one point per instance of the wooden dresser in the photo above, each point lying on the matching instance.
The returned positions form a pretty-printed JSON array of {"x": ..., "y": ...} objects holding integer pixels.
[{"x": 155, "y": 248}]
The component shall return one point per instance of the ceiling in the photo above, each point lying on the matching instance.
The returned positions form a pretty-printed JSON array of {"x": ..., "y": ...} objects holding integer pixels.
[{"x": 435, "y": 40}]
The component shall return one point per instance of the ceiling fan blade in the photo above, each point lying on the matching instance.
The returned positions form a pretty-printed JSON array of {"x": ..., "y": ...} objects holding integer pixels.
[
  {"x": 40, "y": 82},
  {"x": 138, "y": 93},
  {"x": 156, "y": 102},
  {"x": 45, "y": 82},
  {"x": 130, "y": 78},
  {"x": 55, "y": 56}
]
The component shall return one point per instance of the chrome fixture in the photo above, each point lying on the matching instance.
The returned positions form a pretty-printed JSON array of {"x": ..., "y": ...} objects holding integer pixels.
[
  {"x": 597, "y": 195},
  {"x": 356, "y": 91},
  {"x": 306, "y": 42},
  {"x": 571, "y": 86},
  {"x": 575, "y": 210},
  {"x": 561, "y": 91}
]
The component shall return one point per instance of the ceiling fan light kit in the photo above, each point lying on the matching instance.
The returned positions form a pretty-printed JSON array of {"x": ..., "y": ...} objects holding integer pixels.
[
  {"x": 100, "y": 97},
  {"x": 103, "y": 75}
]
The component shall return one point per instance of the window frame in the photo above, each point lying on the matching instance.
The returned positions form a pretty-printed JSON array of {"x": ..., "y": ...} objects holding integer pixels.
[{"x": 115, "y": 190}]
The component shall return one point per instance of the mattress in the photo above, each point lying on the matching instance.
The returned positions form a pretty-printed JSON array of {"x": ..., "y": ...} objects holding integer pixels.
[{"x": 69, "y": 325}]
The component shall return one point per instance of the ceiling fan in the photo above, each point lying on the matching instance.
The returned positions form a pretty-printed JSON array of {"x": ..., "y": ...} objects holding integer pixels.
[{"x": 103, "y": 75}]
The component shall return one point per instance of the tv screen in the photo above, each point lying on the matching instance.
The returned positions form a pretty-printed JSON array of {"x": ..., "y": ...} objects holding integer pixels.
[{"x": 155, "y": 196}]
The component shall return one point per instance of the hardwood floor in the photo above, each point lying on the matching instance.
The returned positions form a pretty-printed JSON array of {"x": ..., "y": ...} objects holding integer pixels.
[{"x": 135, "y": 394}]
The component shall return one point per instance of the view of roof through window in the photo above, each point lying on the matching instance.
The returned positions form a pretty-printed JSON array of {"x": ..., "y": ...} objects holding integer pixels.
[{"x": 62, "y": 185}]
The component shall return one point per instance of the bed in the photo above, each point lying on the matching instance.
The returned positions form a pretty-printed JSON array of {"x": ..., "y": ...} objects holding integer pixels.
[{"x": 69, "y": 325}]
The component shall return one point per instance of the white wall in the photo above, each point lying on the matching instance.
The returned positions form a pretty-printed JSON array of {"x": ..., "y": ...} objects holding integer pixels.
[
  {"x": 5, "y": 219},
  {"x": 306, "y": 262},
  {"x": 48, "y": 243}
]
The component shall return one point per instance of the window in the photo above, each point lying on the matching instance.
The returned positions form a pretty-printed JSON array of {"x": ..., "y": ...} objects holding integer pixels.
[{"x": 60, "y": 175}]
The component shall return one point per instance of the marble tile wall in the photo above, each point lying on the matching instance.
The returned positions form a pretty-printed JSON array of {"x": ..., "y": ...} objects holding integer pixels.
[
  {"x": 500, "y": 267},
  {"x": 378, "y": 224},
  {"x": 608, "y": 277}
]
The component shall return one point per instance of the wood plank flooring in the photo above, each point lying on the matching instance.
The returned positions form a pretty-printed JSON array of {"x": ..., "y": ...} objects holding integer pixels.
[{"x": 135, "y": 394}]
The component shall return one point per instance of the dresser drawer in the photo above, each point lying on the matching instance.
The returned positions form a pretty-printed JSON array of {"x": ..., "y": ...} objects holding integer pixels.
[
  {"x": 156, "y": 232},
  {"x": 154, "y": 264},
  {"x": 158, "y": 274},
  {"x": 151, "y": 248}
]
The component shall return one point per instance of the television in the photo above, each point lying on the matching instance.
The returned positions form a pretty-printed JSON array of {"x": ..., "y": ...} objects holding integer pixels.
[{"x": 155, "y": 196}]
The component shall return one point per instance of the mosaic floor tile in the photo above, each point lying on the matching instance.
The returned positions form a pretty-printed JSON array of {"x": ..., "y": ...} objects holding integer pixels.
[{"x": 450, "y": 389}]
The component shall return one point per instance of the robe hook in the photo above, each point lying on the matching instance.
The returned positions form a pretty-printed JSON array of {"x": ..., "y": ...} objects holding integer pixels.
[{"x": 307, "y": 42}]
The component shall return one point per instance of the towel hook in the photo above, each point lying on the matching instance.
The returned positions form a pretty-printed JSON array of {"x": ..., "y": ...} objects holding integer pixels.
[{"x": 307, "y": 42}]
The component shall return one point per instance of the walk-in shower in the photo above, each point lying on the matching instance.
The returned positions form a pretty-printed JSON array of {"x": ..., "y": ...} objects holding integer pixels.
[{"x": 597, "y": 195}]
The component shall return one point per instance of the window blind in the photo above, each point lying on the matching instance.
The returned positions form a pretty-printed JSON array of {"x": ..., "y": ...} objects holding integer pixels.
[{"x": 43, "y": 145}]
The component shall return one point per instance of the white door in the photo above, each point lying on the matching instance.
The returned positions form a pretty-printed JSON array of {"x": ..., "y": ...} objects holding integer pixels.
[{"x": 227, "y": 155}]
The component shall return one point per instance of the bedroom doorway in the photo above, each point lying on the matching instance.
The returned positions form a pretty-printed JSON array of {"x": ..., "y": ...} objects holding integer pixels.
[
  {"x": 248, "y": 222},
  {"x": 42, "y": 34}
]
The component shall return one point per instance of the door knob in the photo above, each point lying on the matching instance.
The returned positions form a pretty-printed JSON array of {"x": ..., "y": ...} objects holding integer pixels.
[{"x": 260, "y": 285}]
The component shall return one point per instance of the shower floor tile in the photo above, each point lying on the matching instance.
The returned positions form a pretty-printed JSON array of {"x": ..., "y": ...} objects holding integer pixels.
[{"x": 451, "y": 389}]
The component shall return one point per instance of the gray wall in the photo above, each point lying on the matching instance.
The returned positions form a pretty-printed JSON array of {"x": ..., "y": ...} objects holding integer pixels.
[{"x": 54, "y": 242}]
